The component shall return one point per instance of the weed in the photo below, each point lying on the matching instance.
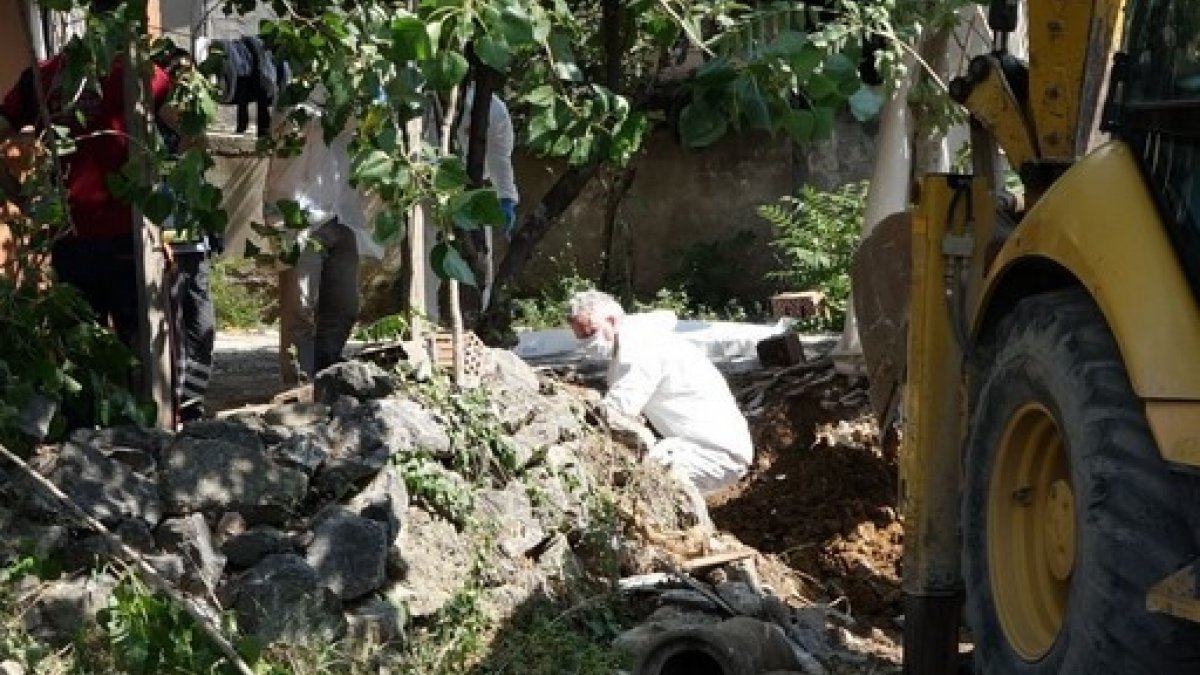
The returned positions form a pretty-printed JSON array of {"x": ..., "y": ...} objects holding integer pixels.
[
  {"x": 816, "y": 234},
  {"x": 240, "y": 297},
  {"x": 545, "y": 638},
  {"x": 434, "y": 486},
  {"x": 705, "y": 283},
  {"x": 451, "y": 641},
  {"x": 390, "y": 327},
  {"x": 549, "y": 308},
  {"x": 685, "y": 307},
  {"x": 479, "y": 445},
  {"x": 147, "y": 633}
]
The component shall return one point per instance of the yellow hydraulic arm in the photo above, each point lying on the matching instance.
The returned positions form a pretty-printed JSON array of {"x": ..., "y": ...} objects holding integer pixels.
[{"x": 1042, "y": 114}]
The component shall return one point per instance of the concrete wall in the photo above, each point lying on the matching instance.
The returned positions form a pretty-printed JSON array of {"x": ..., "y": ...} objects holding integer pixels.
[
  {"x": 681, "y": 198},
  {"x": 15, "y": 58}
]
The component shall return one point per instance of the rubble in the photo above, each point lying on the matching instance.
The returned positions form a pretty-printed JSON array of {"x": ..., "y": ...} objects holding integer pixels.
[{"x": 355, "y": 517}]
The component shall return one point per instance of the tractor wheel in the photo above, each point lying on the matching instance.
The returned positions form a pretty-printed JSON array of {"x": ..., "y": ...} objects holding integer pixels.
[{"x": 1069, "y": 512}]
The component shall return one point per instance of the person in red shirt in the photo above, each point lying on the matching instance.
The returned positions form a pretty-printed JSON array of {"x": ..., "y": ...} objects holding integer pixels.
[{"x": 95, "y": 253}]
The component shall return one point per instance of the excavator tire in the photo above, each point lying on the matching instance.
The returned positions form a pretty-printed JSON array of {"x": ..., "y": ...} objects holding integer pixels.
[{"x": 1069, "y": 512}]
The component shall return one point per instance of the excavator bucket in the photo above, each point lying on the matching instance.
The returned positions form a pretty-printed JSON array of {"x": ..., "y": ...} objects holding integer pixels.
[{"x": 880, "y": 276}]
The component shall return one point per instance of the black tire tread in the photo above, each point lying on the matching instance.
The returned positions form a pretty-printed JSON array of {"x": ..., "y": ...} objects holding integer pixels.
[{"x": 1130, "y": 502}]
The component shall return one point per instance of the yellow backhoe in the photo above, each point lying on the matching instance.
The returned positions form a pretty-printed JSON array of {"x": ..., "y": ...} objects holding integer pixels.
[{"x": 1050, "y": 470}]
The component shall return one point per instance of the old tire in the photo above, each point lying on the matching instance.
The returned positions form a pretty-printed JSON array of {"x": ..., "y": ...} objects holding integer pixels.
[{"x": 1069, "y": 512}]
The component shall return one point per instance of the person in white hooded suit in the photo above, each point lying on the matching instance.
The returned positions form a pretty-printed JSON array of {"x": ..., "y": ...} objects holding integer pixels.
[{"x": 703, "y": 437}]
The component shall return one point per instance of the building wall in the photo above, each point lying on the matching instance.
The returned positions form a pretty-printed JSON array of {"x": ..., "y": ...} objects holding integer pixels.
[
  {"x": 15, "y": 56},
  {"x": 13, "y": 59}
]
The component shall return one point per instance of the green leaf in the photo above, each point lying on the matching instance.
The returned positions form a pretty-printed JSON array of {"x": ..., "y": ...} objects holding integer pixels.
[
  {"x": 516, "y": 25},
  {"x": 700, "y": 124},
  {"x": 449, "y": 264},
  {"x": 840, "y": 67},
  {"x": 560, "y": 47},
  {"x": 788, "y": 45},
  {"x": 799, "y": 125},
  {"x": 806, "y": 61},
  {"x": 824, "y": 122},
  {"x": 373, "y": 166},
  {"x": 568, "y": 71},
  {"x": 715, "y": 73},
  {"x": 450, "y": 175},
  {"x": 750, "y": 102},
  {"x": 494, "y": 52},
  {"x": 561, "y": 146},
  {"x": 389, "y": 227},
  {"x": 865, "y": 104},
  {"x": 541, "y": 25},
  {"x": 158, "y": 206},
  {"x": 434, "y": 30},
  {"x": 410, "y": 39},
  {"x": 581, "y": 150},
  {"x": 820, "y": 86},
  {"x": 445, "y": 70},
  {"x": 541, "y": 97},
  {"x": 541, "y": 128},
  {"x": 476, "y": 208},
  {"x": 662, "y": 30},
  {"x": 293, "y": 215},
  {"x": 627, "y": 138}
]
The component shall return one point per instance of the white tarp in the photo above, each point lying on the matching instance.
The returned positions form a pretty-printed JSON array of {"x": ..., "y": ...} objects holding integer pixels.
[{"x": 730, "y": 345}]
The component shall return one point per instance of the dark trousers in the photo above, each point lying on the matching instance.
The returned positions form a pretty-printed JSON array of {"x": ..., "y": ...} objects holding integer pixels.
[
  {"x": 105, "y": 274},
  {"x": 195, "y": 331},
  {"x": 318, "y": 303}
]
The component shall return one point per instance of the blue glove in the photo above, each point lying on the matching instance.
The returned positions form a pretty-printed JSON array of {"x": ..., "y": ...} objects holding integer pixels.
[{"x": 509, "y": 206}]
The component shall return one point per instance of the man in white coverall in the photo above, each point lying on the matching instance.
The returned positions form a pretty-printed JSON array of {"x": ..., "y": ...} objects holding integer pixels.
[{"x": 669, "y": 381}]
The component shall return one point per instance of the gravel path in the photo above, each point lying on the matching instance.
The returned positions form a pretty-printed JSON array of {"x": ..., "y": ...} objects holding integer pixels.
[{"x": 245, "y": 369}]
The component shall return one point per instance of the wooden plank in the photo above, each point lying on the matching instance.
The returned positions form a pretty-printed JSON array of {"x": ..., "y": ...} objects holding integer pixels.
[{"x": 717, "y": 559}]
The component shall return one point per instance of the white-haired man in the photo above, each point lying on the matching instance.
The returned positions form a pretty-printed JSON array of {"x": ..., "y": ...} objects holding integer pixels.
[{"x": 670, "y": 382}]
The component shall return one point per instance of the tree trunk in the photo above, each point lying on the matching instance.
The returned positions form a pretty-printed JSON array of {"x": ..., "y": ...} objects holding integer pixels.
[
  {"x": 154, "y": 347},
  {"x": 495, "y": 325},
  {"x": 616, "y": 276},
  {"x": 611, "y": 17}
]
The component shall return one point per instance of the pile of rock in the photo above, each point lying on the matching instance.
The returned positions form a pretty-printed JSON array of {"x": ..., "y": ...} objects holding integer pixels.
[
  {"x": 311, "y": 522},
  {"x": 298, "y": 516}
]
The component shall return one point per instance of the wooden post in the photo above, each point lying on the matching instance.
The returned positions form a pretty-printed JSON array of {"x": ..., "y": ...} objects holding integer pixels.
[
  {"x": 153, "y": 349},
  {"x": 456, "y": 319},
  {"x": 418, "y": 257}
]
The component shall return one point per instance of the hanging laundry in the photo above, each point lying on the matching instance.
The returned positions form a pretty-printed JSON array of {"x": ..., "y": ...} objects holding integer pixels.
[{"x": 249, "y": 75}]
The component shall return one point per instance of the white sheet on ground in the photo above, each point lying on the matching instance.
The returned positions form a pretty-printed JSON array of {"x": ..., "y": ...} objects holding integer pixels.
[{"x": 730, "y": 345}]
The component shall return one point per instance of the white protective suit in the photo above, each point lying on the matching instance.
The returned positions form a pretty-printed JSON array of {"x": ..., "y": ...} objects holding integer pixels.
[{"x": 686, "y": 399}]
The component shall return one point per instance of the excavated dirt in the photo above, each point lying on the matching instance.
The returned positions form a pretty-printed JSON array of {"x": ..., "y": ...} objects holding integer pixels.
[{"x": 822, "y": 497}]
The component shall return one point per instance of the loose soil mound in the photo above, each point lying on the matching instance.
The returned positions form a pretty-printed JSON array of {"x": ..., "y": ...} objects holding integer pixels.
[{"x": 822, "y": 497}]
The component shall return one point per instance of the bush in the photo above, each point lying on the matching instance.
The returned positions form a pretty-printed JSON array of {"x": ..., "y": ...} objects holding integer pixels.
[
  {"x": 549, "y": 308},
  {"x": 57, "y": 358},
  {"x": 708, "y": 277},
  {"x": 816, "y": 235}
]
